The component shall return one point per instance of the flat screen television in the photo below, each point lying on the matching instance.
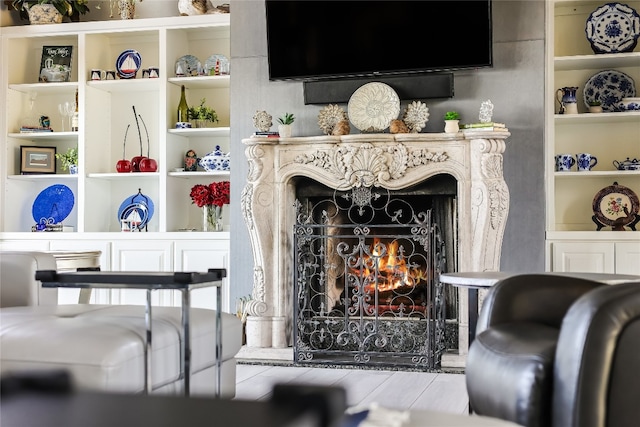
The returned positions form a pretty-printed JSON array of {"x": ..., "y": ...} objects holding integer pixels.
[{"x": 311, "y": 40}]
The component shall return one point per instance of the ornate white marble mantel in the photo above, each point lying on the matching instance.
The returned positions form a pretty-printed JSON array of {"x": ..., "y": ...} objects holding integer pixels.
[{"x": 390, "y": 161}]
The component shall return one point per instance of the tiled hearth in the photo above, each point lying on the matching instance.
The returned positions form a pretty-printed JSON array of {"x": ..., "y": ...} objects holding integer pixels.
[{"x": 390, "y": 161}]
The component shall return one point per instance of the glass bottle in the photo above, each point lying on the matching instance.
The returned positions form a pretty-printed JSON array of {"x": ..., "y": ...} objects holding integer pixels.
[
  {"x": 74, "y": 118},
  {"x": 183, "y": 113}
]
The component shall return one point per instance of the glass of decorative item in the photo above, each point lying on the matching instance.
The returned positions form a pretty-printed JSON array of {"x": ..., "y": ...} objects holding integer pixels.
[{"x": 212, "y": 218}]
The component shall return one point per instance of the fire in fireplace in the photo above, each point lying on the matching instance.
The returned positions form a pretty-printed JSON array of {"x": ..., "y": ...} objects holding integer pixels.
[{"x": 366, "y": 278}]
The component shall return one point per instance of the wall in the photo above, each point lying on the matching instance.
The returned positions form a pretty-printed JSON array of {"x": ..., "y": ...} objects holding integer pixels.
[{"x": 515, "y": 85}]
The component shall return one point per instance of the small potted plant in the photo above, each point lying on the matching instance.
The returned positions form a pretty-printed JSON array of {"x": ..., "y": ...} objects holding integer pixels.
[
  {"x": 50, "y": 11},
  {"x": 202, "y": 115},
  {"x": 69, "y": 160},
  {"x": 284, "y": 128},
  {"x": 451, "y": 120},
  {"x": 595, "y": 107}
]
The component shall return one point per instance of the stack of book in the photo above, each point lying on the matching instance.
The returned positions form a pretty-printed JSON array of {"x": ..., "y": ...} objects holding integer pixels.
[
  {"x": 266, "y": 135},
  {"x": 484, "y": 126},
  {"x": 28, "y": 129}
]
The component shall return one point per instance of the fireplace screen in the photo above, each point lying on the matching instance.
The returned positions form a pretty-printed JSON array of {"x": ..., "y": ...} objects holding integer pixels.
[{"x": 367, "y": 285}]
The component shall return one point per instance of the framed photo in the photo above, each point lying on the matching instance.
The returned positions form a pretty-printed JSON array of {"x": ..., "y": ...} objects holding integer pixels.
[
  {"x": 37, "y": 160},
  {"x": 55, "y": 65}
]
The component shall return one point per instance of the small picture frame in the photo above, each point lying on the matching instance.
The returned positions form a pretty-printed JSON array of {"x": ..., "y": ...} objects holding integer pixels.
[
  {"x": 37, "y": 160},
  {"x": 55, "y": 64}
]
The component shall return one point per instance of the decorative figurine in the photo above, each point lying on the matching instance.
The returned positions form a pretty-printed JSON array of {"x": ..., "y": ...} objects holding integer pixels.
[
  {"x": 262, "y": 121},
  {"x": 190, "y": 161},
  {"x": 486, "y": 111}
]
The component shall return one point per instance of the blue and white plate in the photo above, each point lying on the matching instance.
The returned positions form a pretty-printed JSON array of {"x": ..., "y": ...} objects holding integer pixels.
[
  {"x": 188, "y": 66},
  {"x": 609, "y": 87},
  {"x": 128, "y": 64},
  {"x": 613, "y": 28},
  {"x": 53, "y": 204},
  {"x": 137, "y": 209}
]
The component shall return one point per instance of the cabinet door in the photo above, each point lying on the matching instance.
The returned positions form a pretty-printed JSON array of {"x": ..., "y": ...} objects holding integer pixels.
[
  {"x": 200, "y": 256},
  {"x": 148, "y": 255},
  {"x": 628, "y": 258},
  {"x": 584, "y": 257}
]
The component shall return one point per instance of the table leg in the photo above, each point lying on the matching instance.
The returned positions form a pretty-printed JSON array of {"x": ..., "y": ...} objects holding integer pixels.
[
  {"x": 186, "y": 342},
  {"x": 473, "y": 313},
  {"x": 218, "y": 339},
  {"x": 147, "y": 348}
]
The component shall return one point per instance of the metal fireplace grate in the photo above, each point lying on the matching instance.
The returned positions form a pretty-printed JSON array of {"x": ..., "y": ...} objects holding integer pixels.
[{"x": 367, "y": 280}]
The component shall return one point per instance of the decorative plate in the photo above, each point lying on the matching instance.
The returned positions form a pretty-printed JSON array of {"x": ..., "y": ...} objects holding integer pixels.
[
  {"x": 613, "y": 28},
  {"x": 615, "y": 205},
  {"x": 330, "y": 116},
  {"x": 210, "y": 65},
  {"x": 138, "y": 209},
  {"x": 416, "y": 116},
  {"x": 53, "y": 204},
  {"x": 188, "y": 66},
  {"x": 372, "y": 107},
  {"x": 128, "y": 64},
  {"x": 609, "y": 87}
]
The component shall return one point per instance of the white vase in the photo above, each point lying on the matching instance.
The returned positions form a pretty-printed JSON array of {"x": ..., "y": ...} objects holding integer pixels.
[
  {"x": 451, "y": 126},
  {"x": 284, "y": 131}
]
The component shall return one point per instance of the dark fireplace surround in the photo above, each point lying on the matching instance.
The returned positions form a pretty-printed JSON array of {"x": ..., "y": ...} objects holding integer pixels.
[{"x": 392, "y": 162}]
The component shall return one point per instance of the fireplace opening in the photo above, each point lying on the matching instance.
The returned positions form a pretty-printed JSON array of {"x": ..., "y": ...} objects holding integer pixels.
[{"x": 367, "y": 266}]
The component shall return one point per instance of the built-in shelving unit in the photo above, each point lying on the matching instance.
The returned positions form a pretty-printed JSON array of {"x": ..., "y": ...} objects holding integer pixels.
[
  {"x": 573, "y": 244},
  {"x": 105, "y": 111}
]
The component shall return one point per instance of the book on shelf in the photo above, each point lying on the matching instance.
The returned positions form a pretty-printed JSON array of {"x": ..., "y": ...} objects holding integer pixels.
[{"x": 28, "y": 129}]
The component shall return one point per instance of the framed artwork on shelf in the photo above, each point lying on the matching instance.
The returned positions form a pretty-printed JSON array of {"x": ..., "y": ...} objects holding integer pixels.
[
  {"x": 55, "y": 65},
  {"x": 37, "y": 160}
]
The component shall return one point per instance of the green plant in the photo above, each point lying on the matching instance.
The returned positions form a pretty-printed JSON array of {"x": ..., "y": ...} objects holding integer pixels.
[
  {"x": 452, "y": 115},
  {"x": 287, "y": 119},
  {"x": 65, "y": 7},
  {"x": 595, "y": 103},
  {"x": 69, "y": 158},
  {"x": 202, "y": 112}
]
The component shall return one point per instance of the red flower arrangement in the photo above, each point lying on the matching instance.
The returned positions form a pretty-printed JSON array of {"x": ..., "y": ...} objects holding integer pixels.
[{"x": 216, "y": 193}]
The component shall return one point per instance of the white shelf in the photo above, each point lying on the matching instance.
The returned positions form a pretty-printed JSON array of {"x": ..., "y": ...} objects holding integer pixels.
[
  {"x": 225, "y": 174},
  {"x": 585, "y": 118},
  {"x": 596, "y": 174},
  {"x": 597, "y": 62},
  {"x": 44, "y": 135},
  {"x": 221, "y": 131},
  {"x": 127, "y": 175},
  {"x": 202, "y": 82},
  {"x": 44, "y": 177},
  {"x": 49, "y": 88}
]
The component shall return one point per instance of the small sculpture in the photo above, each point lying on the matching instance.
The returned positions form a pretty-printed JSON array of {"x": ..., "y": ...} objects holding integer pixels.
[
  {"x": 486, "y": 111},
  {"x": 330, "y": 116},
  {"x": 416, "y": 116},
  {"x": 192, "y": 7},
  {"x": 341, "y": 128},
  {"x": 398, "y": 126},
  {"x": 262, "y": 121}
]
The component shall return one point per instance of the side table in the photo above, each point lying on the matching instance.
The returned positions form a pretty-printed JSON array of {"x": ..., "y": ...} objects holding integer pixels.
[{"x": 184, "y": 282}]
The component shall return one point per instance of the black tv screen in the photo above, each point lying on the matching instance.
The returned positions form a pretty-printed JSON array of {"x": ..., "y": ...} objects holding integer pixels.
[{"x": 310, "y": 40}]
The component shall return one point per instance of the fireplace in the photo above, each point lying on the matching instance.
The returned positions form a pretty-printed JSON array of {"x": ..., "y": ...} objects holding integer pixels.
[{"x": 399, "y": 167}]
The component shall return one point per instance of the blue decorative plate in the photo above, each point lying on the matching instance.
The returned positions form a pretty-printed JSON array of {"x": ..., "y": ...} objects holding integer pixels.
[
  {"x": 609, "y": 87},
  {"x": 137, "y": 208},
  {"x": 128, "y": 64},
  {"x": 188, "y": 66},
  {"x": 613, "y": 28},
  {"x": 53, "y": 204}
]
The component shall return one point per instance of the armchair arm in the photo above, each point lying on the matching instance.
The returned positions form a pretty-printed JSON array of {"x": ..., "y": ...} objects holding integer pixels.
[
  {"x": 539, "y": 298},
  {"x": 597, "y": 369}
]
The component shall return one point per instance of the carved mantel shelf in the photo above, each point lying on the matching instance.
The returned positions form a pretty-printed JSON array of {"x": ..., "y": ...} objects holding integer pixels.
[{"x": 392, "y": 161}]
